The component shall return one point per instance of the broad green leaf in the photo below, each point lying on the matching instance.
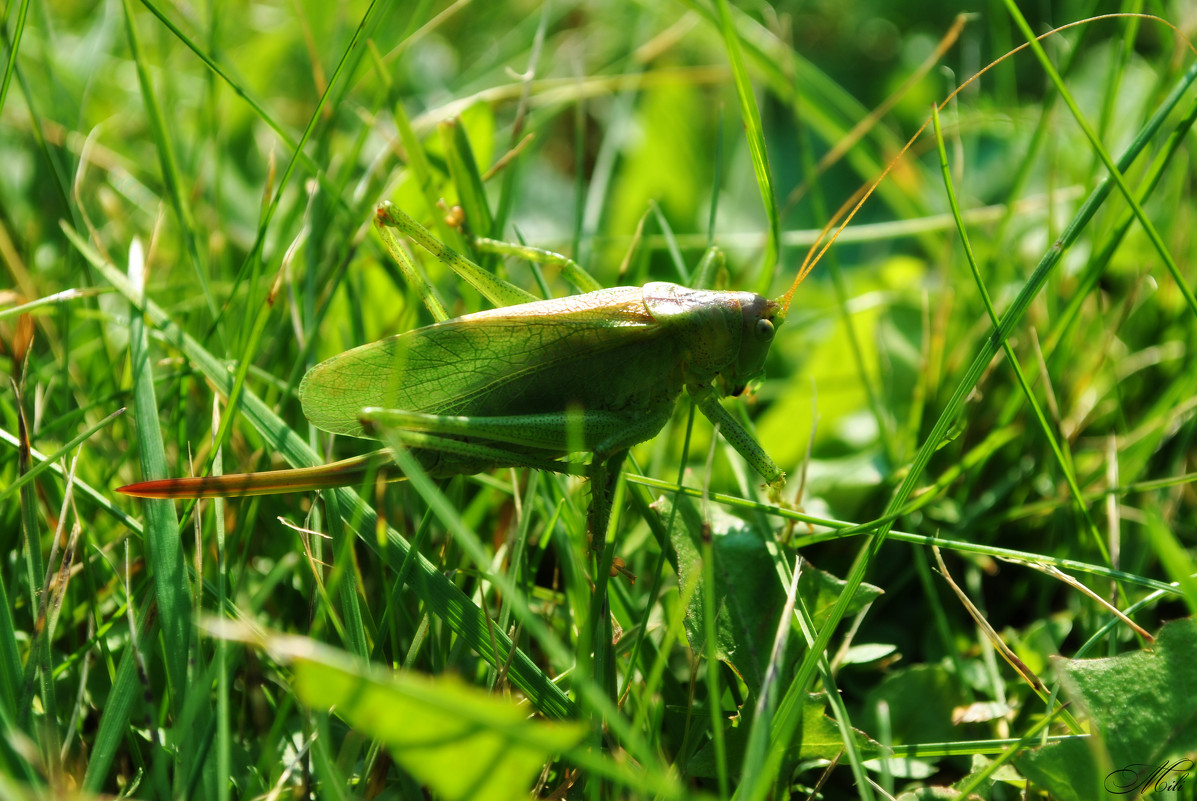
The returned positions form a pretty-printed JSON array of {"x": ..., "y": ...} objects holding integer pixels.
[
  {"x": 1143, "y": 717},
  {"x": 1067, "y": 769},
  {"x": 817, "y": 738},
  {"x": 1142, "y": 703},
  {"x": 750, "y": 595},
  {"x": 920, "y": 701},
  {"x": 461, "y": 741}
]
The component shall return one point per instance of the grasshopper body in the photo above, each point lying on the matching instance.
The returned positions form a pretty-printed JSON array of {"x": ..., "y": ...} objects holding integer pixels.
[
  {"x": 526, "y": 384},
  {"x": 619, "y": 358}
]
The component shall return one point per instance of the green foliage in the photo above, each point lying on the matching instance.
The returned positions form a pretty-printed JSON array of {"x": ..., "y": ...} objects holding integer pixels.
[
  {"x": 751, "y": 576},
  {"x": 995, "y": 358},
  {"x": 458, "y": 740},
  {"x": 1142, "y": 711}
]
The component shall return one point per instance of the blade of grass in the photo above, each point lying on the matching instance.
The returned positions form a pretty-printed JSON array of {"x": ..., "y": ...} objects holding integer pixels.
[
  {"x": 10, "y": 658},
  {"x": 1062, "y": 460},
  {"x": 164, "y": 552},
  {"x": 789, "y": 712},
  {"x": 589, "y": 690},
  {"x": 345, "y": 582},
  {"x": 751, "y": 117},
  {"x": 1173, "y": 556},
  {"x": 421, "y": 168},
  {"x": 100, "y": 499},
  {"x": 51, "y": 460},
  {"x": 766, "y": 703},
  {"x": 114, "y": 720},
  {"x": 1115, "y": 170},
  {"x": 224, "y": 677},
  {"x": 289, "y": 141},
  {"x": 463, "y": 169},
  {"x": 711, "y": 659},
  {"x": 253, "y": 260},
  {"x": 442, "y": 596},
  {"x": 1104, "y": 254},
  {"x": 839, "y": 529},
  {"x": 14, "y": 45},
  {"x": 824, "y": 105},
  {"x": 168, "y": 164}
]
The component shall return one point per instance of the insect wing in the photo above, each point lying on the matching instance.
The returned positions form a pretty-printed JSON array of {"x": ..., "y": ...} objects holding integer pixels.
[{"x": 514, "y": 360}]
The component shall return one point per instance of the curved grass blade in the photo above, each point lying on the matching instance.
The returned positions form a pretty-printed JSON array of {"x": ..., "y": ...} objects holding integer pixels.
[
  {"x": 443, "y": 597},
  {"x": 751, "y": 117}
]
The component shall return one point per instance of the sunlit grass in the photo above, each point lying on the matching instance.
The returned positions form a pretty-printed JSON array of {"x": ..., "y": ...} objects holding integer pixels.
[{"x": 188, "y": 212}]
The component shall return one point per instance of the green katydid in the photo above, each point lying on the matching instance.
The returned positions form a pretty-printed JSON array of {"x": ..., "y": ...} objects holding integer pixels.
[{"x": 526, "y": 384}]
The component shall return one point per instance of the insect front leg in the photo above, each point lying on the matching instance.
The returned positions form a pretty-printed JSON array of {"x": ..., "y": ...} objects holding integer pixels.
[{"x": 708, "y": 403}]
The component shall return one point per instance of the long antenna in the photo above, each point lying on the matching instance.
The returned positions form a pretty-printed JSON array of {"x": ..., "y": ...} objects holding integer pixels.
[{"x": 826, "y": 238}]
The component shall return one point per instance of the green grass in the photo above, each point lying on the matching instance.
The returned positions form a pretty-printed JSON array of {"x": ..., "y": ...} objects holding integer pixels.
[{"x": 995, "y": 358}]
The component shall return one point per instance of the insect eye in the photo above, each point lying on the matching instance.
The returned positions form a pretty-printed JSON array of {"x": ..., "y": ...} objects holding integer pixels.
[{"x": 764, "y": 330}]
